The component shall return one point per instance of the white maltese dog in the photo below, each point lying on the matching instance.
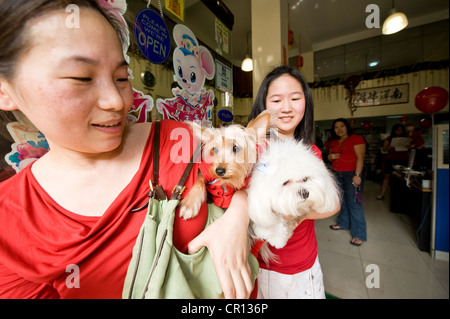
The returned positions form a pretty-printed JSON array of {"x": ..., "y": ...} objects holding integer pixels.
[{"x": 287, "y": 182}]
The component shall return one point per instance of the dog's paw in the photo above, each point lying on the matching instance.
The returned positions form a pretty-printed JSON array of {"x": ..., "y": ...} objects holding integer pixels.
[
  {"x": 278, "y": 242},
  {"x": 279, "y": 236},
  {"x": 190, "y": 208}
]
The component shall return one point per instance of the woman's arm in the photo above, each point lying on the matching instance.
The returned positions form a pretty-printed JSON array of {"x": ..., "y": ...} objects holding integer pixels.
[
  {"x": 360, "y": 151},
  {"x": 386, "y": 145},
  {"x": 227, "y": 241},
  {"x": 314, "y": 215}
]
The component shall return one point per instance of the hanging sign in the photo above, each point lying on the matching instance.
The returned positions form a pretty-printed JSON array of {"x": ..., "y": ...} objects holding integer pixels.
[
  {"x": 152, "y": 36},
  {"x": 224, "y": 77},
  {"x": 225, "y": 116}
]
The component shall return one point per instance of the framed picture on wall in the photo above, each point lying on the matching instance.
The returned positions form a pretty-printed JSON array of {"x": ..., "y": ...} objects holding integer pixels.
[{"x": 383, "y": 95}]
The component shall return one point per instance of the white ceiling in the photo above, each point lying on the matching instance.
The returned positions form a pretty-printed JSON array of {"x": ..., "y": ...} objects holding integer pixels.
[{"x": 322, "y": 24}]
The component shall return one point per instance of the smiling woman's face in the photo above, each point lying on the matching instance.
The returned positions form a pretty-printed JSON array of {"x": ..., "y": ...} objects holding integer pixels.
[
  {"x": 340, "y": 129},
  {"x": 72, "y": 83},
  {"x": 286, "y": 96}
]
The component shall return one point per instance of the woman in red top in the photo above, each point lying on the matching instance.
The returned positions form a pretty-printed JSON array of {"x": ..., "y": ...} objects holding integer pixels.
[
  {"x": 347, "y": 160},
  {"x": 297, "y": 273},
  {"x": 66, "y": 226}
]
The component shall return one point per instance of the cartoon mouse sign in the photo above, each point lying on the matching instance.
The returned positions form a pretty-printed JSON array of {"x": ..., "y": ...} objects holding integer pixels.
[{"x": 192, "y": 64}]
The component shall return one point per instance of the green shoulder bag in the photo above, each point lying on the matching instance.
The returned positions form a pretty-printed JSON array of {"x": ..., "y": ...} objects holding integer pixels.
[{"x": 157, "y": 269}]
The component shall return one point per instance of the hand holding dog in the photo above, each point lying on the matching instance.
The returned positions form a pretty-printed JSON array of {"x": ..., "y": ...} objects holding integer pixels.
[{"x": 230, "y": 260}]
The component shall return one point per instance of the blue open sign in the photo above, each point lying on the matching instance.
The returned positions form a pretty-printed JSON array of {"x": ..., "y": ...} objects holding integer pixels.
[
  {"x": 152, "y": 36},
  {"x": 225, "y": 115}
]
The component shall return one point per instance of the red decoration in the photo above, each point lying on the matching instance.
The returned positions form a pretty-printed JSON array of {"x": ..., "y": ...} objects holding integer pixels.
[
  {"x": 425, "y": 123},
  {"x": 431, "y": 99},
  {"x": 290, "y": 37},
  {"x": 299, "y": 61},
  {"x": 352, "y": 82},
  {"x": 366, "y": 126},
  {"x": 352, "y": 122},
  {"x": 404, "y": 119}
]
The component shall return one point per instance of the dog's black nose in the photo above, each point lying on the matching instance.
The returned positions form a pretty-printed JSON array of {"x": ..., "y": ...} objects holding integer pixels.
[
  {"x": 220, "y": 171},
  {"x": 304, "y": 193}
]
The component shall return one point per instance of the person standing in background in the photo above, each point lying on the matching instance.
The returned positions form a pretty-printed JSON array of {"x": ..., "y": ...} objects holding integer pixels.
[
  {"x": 347, "y": 153},
  {"x": 393, "y": 157}
]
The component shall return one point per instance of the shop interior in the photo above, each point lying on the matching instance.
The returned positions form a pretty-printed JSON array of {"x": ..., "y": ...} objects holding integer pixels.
[{"x": 343, "y": 55}]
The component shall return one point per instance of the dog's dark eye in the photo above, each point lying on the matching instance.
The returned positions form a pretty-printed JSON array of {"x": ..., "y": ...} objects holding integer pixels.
[
  {"x": 305, "y": 179},
  {"x": 236, "y": 148},
  {"x": 285, "y": 183},
  {"x": 213, "y": 151}
]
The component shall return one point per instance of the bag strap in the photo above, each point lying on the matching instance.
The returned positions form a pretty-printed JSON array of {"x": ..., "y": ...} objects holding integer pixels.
[
  {"x": 156, "y": 143},
  {"x": 179, "y": 188},
  {"x": 156, "y": 190}
]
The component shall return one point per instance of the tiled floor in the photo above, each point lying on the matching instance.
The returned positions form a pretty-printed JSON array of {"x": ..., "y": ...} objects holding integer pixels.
[{"x": 404, "y": 271}]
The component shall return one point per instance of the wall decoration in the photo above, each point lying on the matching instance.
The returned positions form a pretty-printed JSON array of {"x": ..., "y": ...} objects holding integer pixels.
[
  {"x": 176, "y": 7},
  {"x": 192, "y": 64},
  {"x": 350, "y": 85},
  {"x": 222, "y": 35},
  {"x": 142, "y": 106},
  {"x": 393, "y": 94},
  {"x": 29, "y": 144}
]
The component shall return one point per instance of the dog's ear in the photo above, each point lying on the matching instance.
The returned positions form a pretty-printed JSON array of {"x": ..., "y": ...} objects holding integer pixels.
[
  {"x": 260, "y": 125},
  {"x": 204, "y": 134}
]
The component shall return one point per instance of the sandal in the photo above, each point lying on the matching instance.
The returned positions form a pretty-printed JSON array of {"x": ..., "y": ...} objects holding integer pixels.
[
  {"x": 356, "y": 242},
  {"x": 335, "y": 227}
]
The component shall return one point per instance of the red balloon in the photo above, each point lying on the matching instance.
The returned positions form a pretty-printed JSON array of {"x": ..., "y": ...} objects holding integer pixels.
[
  {"x": 425, "y": 123},
  {"x": 432, "y": 99},
  {"x": 404, "y": 119},
  {"x": 366, "y": 126}
]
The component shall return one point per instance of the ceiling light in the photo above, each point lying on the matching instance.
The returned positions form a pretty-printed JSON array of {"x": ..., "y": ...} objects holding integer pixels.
[
  {"x": 373, "y": 64},
  {"x": 247, "y": 64},
  {"x": 396, "y": 22}
]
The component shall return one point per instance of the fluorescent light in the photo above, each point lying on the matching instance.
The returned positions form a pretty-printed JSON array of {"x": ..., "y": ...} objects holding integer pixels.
[
  {"x": 247, "y": 64},
  {"x": 396, "y": 22},
  {"x": 373, "y": 64}
]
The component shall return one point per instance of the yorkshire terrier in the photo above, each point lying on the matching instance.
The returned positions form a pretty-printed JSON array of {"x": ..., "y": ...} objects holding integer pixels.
[{"x": 232, "y": 152}]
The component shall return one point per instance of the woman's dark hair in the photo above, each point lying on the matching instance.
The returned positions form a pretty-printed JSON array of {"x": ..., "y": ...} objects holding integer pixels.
[
  {"x": 305, "y": 129},
  {"x": 395, "y": 128},
  {"x": 347, "y": 125}
]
